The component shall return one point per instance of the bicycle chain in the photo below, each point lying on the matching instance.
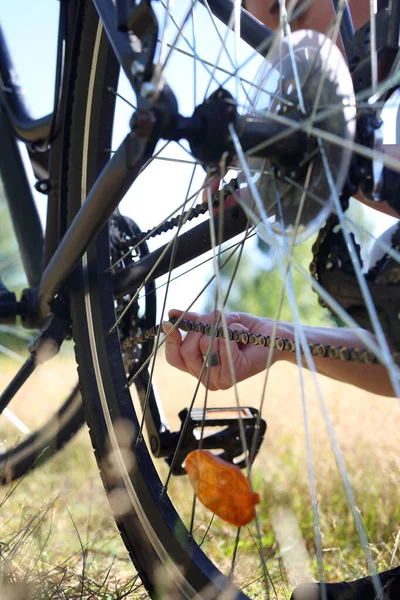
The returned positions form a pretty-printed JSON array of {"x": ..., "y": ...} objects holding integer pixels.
[
  {"x": 200, "y": 209},
  {"x": 242, "y": 337},
  {"x": 257, "y": 339}
]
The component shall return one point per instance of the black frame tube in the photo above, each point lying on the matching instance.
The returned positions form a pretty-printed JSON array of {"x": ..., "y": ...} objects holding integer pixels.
[
  {"x": 30, "y": 130},
  {"x": 394, "y": 24},
  {"x": 346, "y": 30},
  {"x": 21, "y": 203},
  {"x": 189, "y": 245},
  {"x": 113, "y": 182}
]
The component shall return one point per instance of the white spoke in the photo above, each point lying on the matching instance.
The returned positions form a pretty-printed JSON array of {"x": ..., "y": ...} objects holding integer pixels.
[
  {"x": 373, "y": 54},
  {"x": 360, "y": 277},
  {"x": 11, "y": 354},
  {"x": 15, "y": 421},
  {"x": 311, "y": 366},
  {"x": 171, "y": 266},
  {"x": 285, "y": 25}
]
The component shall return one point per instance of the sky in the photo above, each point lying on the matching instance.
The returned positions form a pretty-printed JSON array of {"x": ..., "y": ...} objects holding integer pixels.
[{"x": 31, "y": 31}]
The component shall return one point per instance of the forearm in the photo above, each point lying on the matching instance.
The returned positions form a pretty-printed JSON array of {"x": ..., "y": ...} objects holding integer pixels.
[
  {"x": 392, "y": 150},
  {"x": 372, "y": 378}
]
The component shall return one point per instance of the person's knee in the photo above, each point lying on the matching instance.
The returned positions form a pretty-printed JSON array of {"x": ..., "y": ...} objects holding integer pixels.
[
  {"x": 333, "y": 591},
  {"x": 306, "y": 591}
]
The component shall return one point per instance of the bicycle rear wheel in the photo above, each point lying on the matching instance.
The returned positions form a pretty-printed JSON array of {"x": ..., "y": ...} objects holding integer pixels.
[{"x": 173, "y": 547}]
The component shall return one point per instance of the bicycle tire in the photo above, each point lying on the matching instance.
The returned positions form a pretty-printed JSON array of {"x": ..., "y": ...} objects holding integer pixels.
[
  {"x": 146, "y": 518},
  {"x": 44, "y": 443}
]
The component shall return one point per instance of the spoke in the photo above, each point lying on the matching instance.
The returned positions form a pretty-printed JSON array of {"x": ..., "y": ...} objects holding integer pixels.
[
  {"x": 373, "y": 53},
  {"x": 311, "y": 473},
  {"x": 228, "y": 347},
  {"x": 192, "y": 516},
  {"x": 223, "y": 48},
  {"x": 163, "y": 50},
  {"x": 16, "y": 332},
  {"x": 277, "y": 249},
  {"x": 171, "y": 266},
  {"x": 179, "y": 160},
  {"x": 235, "y": 548},
  {"x": 178, "y": 35},
  {"x": 386, "y": 159},
  {"x": 288, "y": 32},
  {"x": 206, "y": 531},
  {"x": 335, "y": 32},
  {"x": 154, "y": 230},
  {"x": 195, "y": 61},
  {"x": 311, "y": 367},
  {"x": 225, "y": 330},
  {"x": 16, "y": 421},
  {"x": 111, "y": 89},
  {"x": 360, "y": 277},
  {"x": 186, "y": 422},
  {"x": 11, "y": 354},
  {"x": 149, "y": 274},
  {"x": 236, "y": 245},
  {"x": 230, "y": 74},
  {"x": 207, "y": 359},
  {"x": 180, "y": 319}
]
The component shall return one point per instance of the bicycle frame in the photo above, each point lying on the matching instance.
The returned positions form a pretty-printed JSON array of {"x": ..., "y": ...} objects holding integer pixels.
[{"x": 122, "y": 169}]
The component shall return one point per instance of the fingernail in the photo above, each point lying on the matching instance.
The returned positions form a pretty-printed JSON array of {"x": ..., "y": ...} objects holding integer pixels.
[{"x": 166, "y": 327}]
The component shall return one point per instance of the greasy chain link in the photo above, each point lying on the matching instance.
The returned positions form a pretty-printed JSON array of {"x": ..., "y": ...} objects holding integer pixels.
[{"x": 242, "y": 337}]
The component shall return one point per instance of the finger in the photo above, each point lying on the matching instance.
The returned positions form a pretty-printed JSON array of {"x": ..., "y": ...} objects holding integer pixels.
[
  {"x": 204, "y": 346},
  {"x": 191, "y": 351},
  {"x": 234, "y": 346},
  {"x": 176, "y": 313},
  {"x": 173, "y": 344}
]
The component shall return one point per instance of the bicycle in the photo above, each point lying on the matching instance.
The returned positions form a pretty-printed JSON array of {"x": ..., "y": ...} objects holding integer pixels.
[{"x": 98, "y": 284}]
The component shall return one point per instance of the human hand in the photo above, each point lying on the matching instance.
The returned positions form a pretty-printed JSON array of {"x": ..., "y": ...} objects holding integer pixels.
[{"x": 187, "y": 354}]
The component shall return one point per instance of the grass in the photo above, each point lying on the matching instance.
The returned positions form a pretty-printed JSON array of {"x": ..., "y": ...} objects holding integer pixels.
[{"x": 59, "y": 540}]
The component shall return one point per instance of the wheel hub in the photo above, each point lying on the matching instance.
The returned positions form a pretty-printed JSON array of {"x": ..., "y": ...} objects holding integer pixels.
[{"x": 304, "y": 83}]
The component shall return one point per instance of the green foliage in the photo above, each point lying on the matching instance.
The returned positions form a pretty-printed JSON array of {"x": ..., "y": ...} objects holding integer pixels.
[
  {"x": 257, "y": 287},
  {"x": 11, "y": 269}
]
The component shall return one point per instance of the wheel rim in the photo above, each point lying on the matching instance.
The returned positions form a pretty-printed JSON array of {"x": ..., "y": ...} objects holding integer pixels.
[{"x": 104, "y": 378}]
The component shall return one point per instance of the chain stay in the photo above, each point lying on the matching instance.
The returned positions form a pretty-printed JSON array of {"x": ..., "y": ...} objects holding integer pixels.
[{"x": 200, "y": 209}]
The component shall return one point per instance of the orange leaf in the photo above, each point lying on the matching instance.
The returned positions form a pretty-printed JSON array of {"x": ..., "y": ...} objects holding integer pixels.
[{"x": 221, "y": 487}]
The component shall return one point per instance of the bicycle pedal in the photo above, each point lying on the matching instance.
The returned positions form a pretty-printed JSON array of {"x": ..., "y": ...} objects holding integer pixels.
[{"x": 236, "y": 432}]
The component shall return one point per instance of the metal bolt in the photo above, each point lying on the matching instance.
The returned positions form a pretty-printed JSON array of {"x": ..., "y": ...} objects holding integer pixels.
[
  {"x": 136, "y": 68},
  {"x": 329, "y": 265},
  {"x": 148, "y": 89}
]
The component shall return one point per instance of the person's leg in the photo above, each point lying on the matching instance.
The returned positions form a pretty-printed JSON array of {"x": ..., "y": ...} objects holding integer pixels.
[{"x": 361, "y": 589}]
